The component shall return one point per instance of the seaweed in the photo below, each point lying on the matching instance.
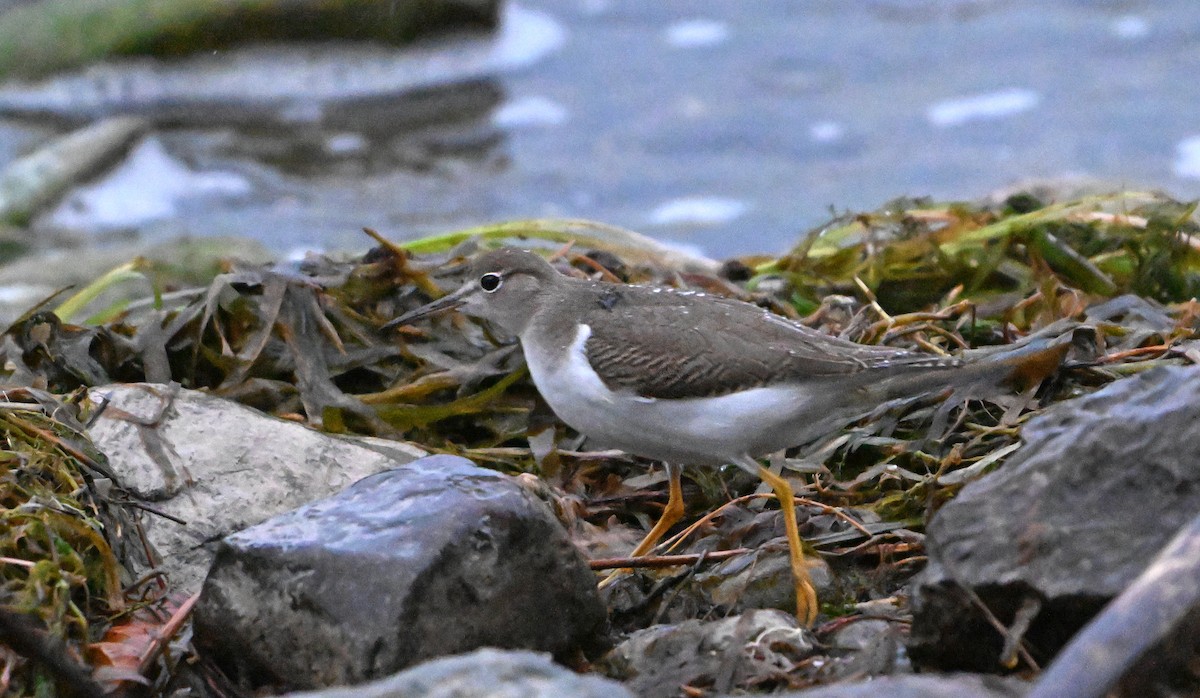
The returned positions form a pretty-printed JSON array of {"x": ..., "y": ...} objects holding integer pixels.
[
  {"x": 59, "y": 575},
  {"x": 1117, "y": 274}
]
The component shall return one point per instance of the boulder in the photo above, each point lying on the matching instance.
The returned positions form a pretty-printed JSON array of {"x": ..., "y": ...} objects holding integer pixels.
[
  {"x": 920, "y": 686},
  {"x": 865, "y": 646},
  {"x": 437, "y": 557},
  {"x": 1099, "y": 487},
  {"x": 485, "y": 673},
  {"x": 717, "y": 655},
  {"x": 1147, "y": 641},
  {"x": 209, "y": 467}
]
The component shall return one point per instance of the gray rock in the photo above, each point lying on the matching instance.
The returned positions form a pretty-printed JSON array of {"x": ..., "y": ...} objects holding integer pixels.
[
  {"x": 926, "y": 686},
  {"x": 720, "y": 654},
  {"x": 866, "y": 647},
  {"x": 219, "y": 467},
  {"x": 31, "y": 34},
  {"x": 438, "y": 557},
  {"x": 293, "y": 82},
  {"x": 1162, "y": 607},
  {"x": 485, "y": 673},
  {"x": 1101, "y": 484},
  {"x": 755, "y": 580},
  {"x": 36, "y": 180}
]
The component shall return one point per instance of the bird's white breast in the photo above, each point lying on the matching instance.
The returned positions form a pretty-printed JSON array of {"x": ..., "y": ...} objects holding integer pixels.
[{"x": 709, "y": 430}]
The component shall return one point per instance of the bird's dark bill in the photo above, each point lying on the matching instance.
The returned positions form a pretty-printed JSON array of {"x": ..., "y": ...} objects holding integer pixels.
[{"x": 437, "y": 307}]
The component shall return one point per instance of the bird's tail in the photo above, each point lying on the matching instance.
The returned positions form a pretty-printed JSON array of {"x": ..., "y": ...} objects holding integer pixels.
[
  {"x": 979, "y": 374},
  {"x": 992, "y": 371}
]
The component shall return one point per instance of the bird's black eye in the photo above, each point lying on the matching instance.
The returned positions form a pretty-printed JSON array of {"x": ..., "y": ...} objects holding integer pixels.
[{"x": 490, "y": 282}]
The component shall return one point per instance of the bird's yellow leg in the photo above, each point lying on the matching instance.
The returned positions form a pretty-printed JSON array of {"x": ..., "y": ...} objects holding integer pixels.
[
  {"x": 806, "y": 594},
  {"x": 671, "y": 514}
]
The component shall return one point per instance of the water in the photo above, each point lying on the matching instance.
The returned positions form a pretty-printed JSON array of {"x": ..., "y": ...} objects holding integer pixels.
[
  {"x": 728, "y": 127},
  {"x": 793, "y": 109}
]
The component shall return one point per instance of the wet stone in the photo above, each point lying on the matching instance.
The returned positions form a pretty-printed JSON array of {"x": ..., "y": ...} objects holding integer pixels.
[
  {"x": 758, "y": 579},
  {"x": 215, "y": 466},
  {"x": 916, "y": 686},
  {"x": 486, "y": 673},
  {"x": 716, "y": 656},
  {"x": 438, "y": 557},
  {"x": 866, "y": 647},
  {"x": 1099, "y": 487},
  {"x": 762, "y": 579}
]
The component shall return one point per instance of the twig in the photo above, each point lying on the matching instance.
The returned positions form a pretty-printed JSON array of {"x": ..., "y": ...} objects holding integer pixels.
[
  {"x": 562, "y": 251},
  {"x": 67, "y": 448},
  {"x": 148, "y": 550},
  {"x": 827, "y": 509},
  {"x": 678, "y": 538},
  {"x": 165, "y": 633},
  {"x": 674, "y": 541},
  {"x": 991, "y": 618},
  {"x": 914, "y": 328},
  {"x": 600, "y": 268},
  {"x": 419, "y": 278},
  {"x": 1022, "y": 619},
  {"x": 609, "y": 563},
  {"x": 872, "y": 300},
  {"x": 1132, "y": 353},
  {"x": 157, "y": 512},
  {"x": 29, "y": 406}
]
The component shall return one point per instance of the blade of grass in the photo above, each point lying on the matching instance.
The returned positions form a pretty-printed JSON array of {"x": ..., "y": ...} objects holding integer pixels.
[{"x": 72, "y": 306}]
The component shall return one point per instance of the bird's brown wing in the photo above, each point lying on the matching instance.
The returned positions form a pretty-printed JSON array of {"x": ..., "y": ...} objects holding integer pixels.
[{"x": 655, "y": 350}]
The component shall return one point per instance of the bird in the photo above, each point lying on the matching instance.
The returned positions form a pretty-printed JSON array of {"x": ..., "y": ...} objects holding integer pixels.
[{"x": 693, "y": 379}]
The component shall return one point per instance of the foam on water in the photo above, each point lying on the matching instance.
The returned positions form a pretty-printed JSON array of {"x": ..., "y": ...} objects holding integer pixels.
[
  {"x": 526, "y": 36},
  {"x": 299, "y": 253},
  {"x": 696, "y": 33},
  {"x": 149, "y": 185},
  {"x": 1187, "y": 158},
  {"x": 529, "y": 111},
  {"x": 14, "y": 294},
  {"x": 1130, "y": 27},
  {"x": 826, "y": 131},
  {"x": 990, "y": 105},
  {"x": 698, "y": 210}
]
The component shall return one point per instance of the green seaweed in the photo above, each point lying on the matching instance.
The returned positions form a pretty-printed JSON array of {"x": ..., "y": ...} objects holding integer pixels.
[{"x": 310, "y": 345}]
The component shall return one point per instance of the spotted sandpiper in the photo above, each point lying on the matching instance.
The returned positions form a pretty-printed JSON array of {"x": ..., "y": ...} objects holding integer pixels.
[{"x": 693, "y": 379}]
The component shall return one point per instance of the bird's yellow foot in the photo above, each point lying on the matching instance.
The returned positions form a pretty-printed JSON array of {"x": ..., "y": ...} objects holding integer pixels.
[{"x": 671, "y": 515}]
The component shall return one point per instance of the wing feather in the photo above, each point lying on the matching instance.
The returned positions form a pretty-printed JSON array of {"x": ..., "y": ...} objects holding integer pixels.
[{"x": 638, "y": 346}]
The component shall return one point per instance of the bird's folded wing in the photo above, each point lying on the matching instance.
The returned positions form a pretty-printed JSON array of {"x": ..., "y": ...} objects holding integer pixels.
[{"x": 650, "y": 355}]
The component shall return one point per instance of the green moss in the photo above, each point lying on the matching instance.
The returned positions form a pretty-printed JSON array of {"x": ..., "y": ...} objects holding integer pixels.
[{"x": 59, "y": 566}]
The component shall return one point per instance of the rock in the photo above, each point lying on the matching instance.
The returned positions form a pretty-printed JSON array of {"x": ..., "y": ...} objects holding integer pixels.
[
  {"x": 219, "y": 466},
  {"x": 866, "y": 647},
  {"x": 39, "y": 178},
  {"x": 1100, "y": 485},
  {"x": 921, "y": 686},
  {"x": 718, "y": 655},
  {"x": 297, "y": 83},
  {"x": 757, "y": 580},
  {"x": 31, "y": 45},
  {"x": 1162, "y": 607},
  {"x": 438, "y": 557},
  {"x": 485, "y": 673}
]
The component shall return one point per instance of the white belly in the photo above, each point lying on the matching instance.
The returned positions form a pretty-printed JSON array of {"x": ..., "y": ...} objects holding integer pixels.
[{"x": 701, "y": 431}]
